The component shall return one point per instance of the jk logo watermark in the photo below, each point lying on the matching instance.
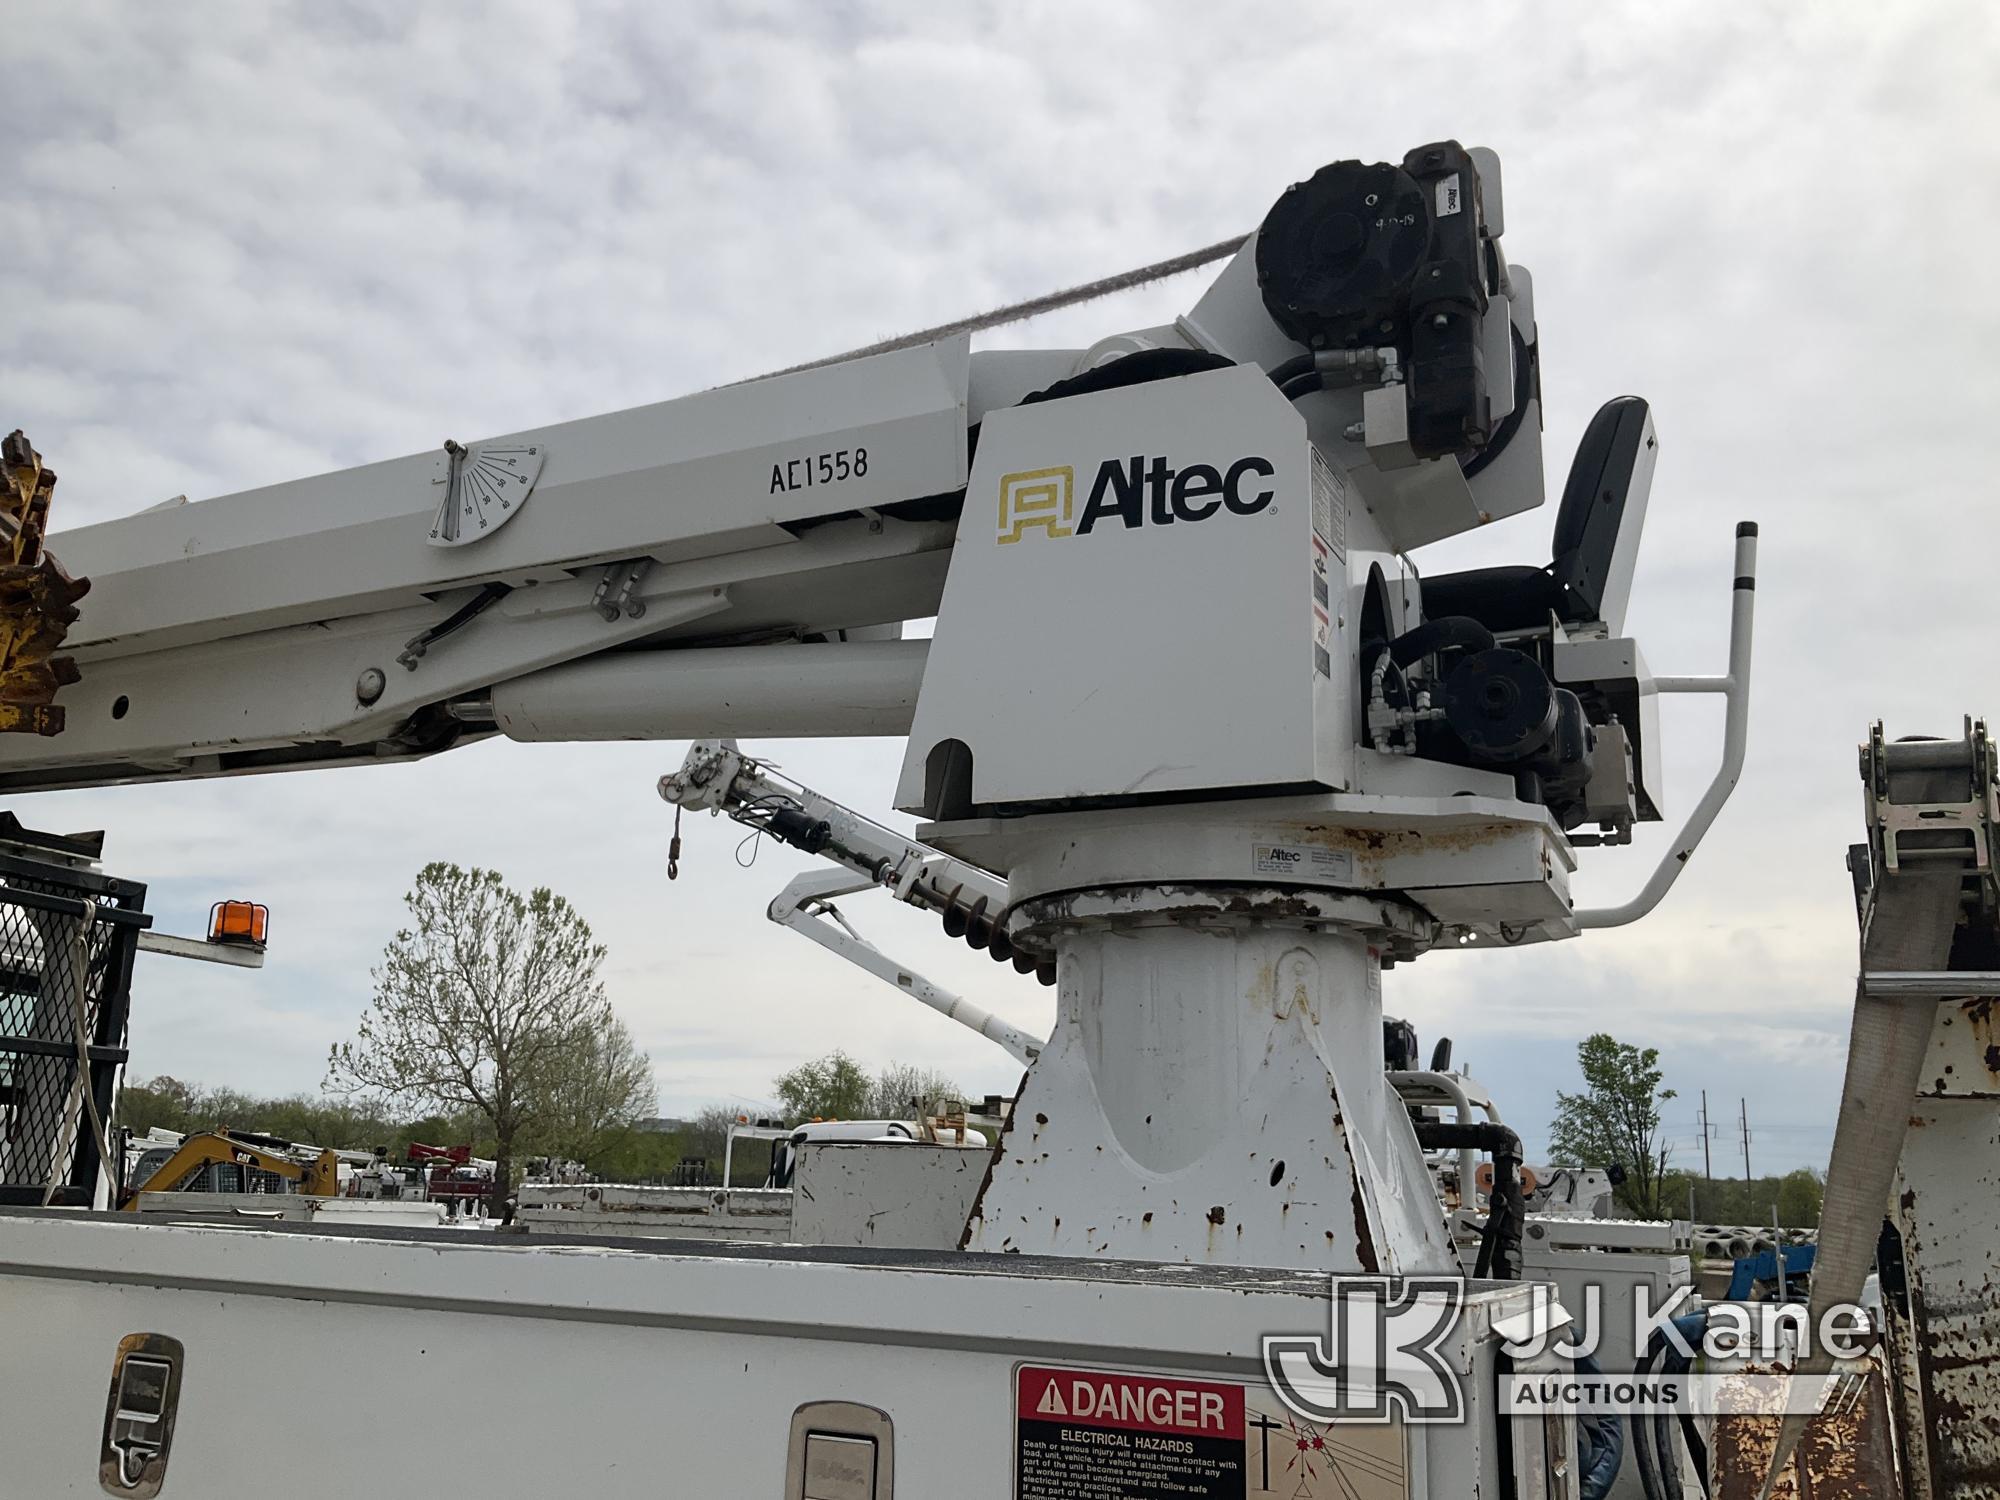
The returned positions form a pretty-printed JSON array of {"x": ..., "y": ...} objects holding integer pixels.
[
  {"x": 1381, "y": 1357},
  {"x": 1387, "y": 1355}
]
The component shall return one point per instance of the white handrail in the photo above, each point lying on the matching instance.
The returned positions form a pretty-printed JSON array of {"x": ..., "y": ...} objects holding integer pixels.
[{"x": 1735, "y": 689}]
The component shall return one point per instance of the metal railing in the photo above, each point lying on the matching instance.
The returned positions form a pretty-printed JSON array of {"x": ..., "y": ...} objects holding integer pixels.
[{"x": 67, "y": 940}]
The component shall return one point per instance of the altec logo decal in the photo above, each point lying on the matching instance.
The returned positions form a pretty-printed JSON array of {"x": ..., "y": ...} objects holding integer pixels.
[
  {"x": 1137, "y": 491},
  {"x": 1043, "y": 499}
]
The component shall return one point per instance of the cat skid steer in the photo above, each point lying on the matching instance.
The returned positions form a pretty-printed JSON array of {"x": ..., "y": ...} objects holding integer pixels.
[{"x": 314, "y": 1174}]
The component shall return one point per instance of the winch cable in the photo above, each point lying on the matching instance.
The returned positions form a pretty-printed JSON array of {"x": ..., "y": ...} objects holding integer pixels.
[
  {"x": 1033, "y": 307},
  {"x": 1908, "y": 926}
]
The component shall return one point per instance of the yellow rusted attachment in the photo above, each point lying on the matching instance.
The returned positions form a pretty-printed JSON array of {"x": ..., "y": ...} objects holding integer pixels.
[{"x": 37, "y": 598}]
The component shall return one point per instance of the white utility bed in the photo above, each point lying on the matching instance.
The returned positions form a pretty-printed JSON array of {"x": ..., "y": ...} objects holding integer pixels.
[{"x": 386, "y": 1362}]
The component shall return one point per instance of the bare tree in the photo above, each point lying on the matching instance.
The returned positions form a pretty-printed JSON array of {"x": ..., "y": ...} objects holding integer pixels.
[
  {"x": 476, "y": 1005},
  {"x": 591, "y": 1092},
  {"x": 901, "y": 1091}
]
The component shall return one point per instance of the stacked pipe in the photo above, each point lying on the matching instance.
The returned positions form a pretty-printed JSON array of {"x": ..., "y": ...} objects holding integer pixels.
[{"x": 1734, "y": 1241}]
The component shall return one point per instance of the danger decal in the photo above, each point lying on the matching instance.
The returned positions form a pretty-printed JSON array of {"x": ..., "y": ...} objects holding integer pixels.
[
  {"x": 1111, "y": 1435},
  {"x": 1094, "y": 1435}
]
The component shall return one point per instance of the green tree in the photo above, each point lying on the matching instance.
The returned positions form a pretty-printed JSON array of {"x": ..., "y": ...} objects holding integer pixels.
[
  {"x": 1616, "y": 1119},
  {"x": 226, "y": 1108},
  {"x": 477, "y": 1005},
  {"x": 1799, "y": 1197},
  {"x": 465, "y": 1127},
  {"x": 833, "y": 1087},
  {"x": 164, "y": 1103},
  {"x": 705, "y": 1139},
  {"x": 634, "y": 1155},
  {"x": 1730, "y": 1200},
  {"x": 343, "y": 1123}
]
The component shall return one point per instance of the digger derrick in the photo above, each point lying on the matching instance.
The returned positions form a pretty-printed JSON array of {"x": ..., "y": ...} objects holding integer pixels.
[{"x": 37, "y": 597}]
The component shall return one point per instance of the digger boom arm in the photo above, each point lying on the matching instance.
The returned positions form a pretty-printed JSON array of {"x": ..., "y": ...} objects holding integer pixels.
[
  {"x": 971, "y": 902},
  {"x": 317, "y": 1178}
]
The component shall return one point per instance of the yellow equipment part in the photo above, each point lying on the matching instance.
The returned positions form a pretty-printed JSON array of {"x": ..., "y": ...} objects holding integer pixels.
[
  {"x": 37, "y": 598},
  {"x": 318, "y": 1178}
]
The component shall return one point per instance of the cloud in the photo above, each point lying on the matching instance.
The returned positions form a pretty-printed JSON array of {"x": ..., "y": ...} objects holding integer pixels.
[{"x": 251, "y": 243}]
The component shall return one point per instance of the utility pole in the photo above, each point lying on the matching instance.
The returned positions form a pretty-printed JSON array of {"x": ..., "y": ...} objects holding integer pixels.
[
  {"x": 1707, "y": 1134},
  {"x": 1745, "y": 1117}
]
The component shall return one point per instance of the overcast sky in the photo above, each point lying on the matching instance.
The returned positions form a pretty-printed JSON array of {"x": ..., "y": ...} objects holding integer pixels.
[{"x": 246, "y": 243}]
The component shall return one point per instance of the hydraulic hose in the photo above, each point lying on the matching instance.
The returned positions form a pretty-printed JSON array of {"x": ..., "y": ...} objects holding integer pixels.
[
  {"x": 1291, "y": 369},
  {"x": 1527, "y": 376},
  {"x": 1434, "y": 635},
  {"x": 1506, "y": 1215},
  {"x": 1668, "y": 1453},
  {"x": 1653, "y": 1436},
  {"x": 1642, "y": 1439},
  {"x": 1690, "y": 1326},
  {"x": 1601, "y": 1448}
]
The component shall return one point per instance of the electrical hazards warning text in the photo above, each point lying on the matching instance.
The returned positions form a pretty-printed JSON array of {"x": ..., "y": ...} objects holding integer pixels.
[{"x": 1093, "y": 1435}]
